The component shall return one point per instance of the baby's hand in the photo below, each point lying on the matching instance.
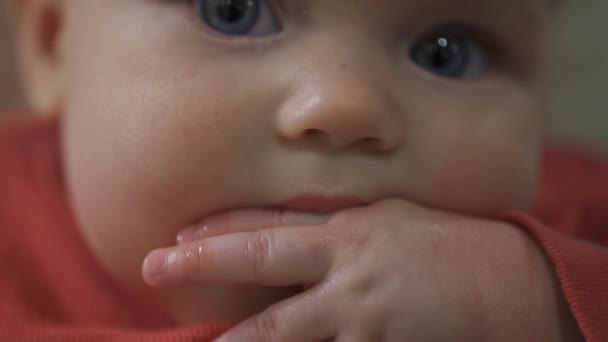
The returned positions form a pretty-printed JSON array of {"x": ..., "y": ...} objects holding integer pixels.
[{"x": 392, "y": 271}]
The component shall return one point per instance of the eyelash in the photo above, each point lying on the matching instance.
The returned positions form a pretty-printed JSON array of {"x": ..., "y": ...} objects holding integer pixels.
[
  {"x": 496, "y": 47},
  {"x": 234, "y": 41},
  {"x": 486, "y": 40}
]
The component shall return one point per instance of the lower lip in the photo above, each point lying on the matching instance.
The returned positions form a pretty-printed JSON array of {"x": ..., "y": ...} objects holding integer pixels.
[
  {"x": 321, "y": 205},
  {"x": 302, "y": 211},
  {"x": 248, "y": 220}
]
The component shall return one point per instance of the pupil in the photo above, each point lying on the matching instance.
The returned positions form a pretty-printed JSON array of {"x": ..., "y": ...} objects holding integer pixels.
[
  {"x": 445, "y": 54},
  {"x": 443, "y": 51},
  {"x": 232, "y": 10}
]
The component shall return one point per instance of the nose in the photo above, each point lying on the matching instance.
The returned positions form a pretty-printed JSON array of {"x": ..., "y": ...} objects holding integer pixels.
[{"x": 340, "y": 109}]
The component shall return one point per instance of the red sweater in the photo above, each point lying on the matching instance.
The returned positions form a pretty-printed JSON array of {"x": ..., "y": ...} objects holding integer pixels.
[{"x": 51, "y": 288}]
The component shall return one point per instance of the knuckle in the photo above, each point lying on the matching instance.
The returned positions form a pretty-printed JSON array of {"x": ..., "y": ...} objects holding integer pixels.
[
  {"x": 190, "y": 258},
  {"x": 341, "y": 223},
  {"x": 348, "y": 229},
  {"x": 338, "y": 220},
  {"x": 260, "y": 249},
  {"x": 360, "y": 287},
  {"x": 266, "y": 326}
]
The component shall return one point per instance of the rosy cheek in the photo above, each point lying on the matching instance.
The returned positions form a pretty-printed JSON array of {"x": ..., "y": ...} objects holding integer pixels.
[
  {"x": 453, "y": 191},
  {"x": 202, "y": 131},
  {"x": 481, "y": 188}
]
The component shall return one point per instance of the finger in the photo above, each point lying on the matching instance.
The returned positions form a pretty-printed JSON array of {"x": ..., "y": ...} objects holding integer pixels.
[
  {"x": 248, "y": 220},
  {"x": 303, "y": 318},
  {"x": 270, "y": 257}
]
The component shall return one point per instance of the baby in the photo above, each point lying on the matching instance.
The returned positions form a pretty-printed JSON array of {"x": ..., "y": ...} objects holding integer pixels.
[{"x": 295, "y": 170}]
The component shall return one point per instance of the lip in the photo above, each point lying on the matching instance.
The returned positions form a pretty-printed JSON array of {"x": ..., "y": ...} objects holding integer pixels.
[
  {"x": 304, "y": 209},
  {"x": 320, "y": 204}
]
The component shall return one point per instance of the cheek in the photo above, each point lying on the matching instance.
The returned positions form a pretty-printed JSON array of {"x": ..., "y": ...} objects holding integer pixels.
[
  {"x": 138, "y": 171},
  {"x": 146, "y": 162},
  {"x": 491, "y": 181},
  {"x": 480, "y": 164},
  {"x": 143, "y": 154}
]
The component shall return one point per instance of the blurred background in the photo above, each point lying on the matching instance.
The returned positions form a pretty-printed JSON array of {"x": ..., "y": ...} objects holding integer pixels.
[{"x": 581, "y": 89}]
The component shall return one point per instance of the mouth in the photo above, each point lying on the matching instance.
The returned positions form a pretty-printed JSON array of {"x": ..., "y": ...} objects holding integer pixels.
[
  {"x": 304, "y": 209},
  {"x": 319, "y": 204}
]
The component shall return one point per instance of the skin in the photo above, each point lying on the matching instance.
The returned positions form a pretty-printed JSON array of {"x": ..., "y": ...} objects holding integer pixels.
[
  {"x": 165, "y": 122},
  {"x": 458, "y": 278}
]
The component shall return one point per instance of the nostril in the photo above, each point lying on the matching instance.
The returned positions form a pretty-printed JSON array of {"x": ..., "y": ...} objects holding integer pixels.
[
  {"x": 370, "y": 142},
  {"x": 314, "y": 133}
]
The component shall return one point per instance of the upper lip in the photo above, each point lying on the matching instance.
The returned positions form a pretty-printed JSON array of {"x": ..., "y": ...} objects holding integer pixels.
[{"x": 320, "y": 203}]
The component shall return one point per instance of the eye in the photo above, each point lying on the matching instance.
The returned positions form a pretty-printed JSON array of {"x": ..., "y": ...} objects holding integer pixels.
[
  {"x": 237, "y": 17},
  {"x": 449, "y": 55}
]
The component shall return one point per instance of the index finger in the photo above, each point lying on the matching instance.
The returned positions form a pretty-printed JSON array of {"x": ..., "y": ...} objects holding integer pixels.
[{"x": 271, "y": 257}]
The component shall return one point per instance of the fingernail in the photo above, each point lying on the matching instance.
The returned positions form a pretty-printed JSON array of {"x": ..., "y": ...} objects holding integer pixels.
[{"x": 155, "y": 266}]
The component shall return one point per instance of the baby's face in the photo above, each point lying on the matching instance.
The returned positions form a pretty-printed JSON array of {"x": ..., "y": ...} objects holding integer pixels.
[{"x": 176, "y": 109}]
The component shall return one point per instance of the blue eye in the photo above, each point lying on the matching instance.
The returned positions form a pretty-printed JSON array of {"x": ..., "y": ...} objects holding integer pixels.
[
  {"x": 449, "y": 55},
  {"x": 237, "y": 17}
]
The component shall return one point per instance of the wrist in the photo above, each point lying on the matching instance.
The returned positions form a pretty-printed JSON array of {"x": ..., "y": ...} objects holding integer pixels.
[
  {"x": 524, "y": 297},
  {"x": 546, "y": 300}
]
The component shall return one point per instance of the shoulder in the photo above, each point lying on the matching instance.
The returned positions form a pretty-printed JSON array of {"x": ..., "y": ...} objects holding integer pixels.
[
  {"x": 26, "y": 143},
  {"x": 21, "y": 130},
  {"x": 22, "y": 137}
]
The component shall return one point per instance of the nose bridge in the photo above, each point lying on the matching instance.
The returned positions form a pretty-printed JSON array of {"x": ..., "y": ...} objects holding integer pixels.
[{"x": 338, "y": 99}]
